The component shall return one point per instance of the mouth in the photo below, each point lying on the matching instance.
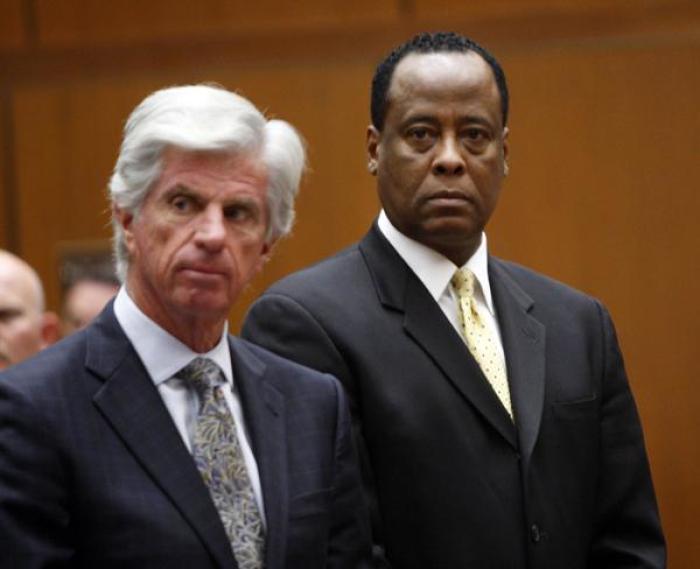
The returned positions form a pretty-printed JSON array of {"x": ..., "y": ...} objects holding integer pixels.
[
  {"x": 203, "y": 271},
  {"x": 449, "y": 198}
]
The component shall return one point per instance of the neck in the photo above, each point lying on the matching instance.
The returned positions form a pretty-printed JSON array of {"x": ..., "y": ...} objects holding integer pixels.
[
  {"x": 460, "y": 253},
  {"x": 198, "y": 331},
  {"x": 199, "y": 336}
]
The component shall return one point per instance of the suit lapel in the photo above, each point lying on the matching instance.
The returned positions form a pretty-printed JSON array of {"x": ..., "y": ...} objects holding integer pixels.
[
  {"x": 263, "y": 407},
  {"x": 399, "y": 289},
  {"x": 524, "y": 344},
  {"x": 132, "y": 405}
]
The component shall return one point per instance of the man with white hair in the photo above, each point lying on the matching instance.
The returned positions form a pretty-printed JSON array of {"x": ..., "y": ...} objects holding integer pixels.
[
  {"x": 25, "y": 326},
  {"x": 152, "y": 438}
]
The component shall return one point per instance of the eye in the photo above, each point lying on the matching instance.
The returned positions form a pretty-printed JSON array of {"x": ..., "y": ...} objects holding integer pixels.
[
  {"x": 475, "y": 134},
  {"x": 9, "y": 314},
  {"x": 236, "y": 213},
  {"x": 182, "y": 203},
  {"x": 420, "y": 136},
  {"x": 241, "y": 212},
  {"x": 419, "y": 133},
  {"x": 476, "y": 139}
]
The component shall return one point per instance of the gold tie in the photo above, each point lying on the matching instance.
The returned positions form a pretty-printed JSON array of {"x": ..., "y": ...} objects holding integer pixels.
[{"x": 480, "y": 339}]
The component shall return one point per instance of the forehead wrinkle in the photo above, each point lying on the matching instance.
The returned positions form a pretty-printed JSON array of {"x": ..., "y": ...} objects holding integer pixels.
[{"x": 189, "y": 170}]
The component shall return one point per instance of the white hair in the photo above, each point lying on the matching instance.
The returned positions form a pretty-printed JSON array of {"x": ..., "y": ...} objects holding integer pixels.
[{"x": 203, "y": 118}]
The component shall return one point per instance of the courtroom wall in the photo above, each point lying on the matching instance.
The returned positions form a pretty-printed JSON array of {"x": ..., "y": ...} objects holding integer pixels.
[{"x": 602, "y": 194}]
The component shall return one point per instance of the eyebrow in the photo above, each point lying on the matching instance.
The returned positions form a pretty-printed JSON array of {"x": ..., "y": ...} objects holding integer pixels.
[
  {"x": 180, "y": 189},
  {"x": 432, "y": 119},
  {"x": 244, "y": 201}
]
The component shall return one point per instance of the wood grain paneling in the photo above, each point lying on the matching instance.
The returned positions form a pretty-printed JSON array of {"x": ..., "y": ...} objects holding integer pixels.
[
  {"x": 510, "y": 22},
  {"x": 5, "y": 146},
  {"x": 431, "y": 9},
  {"x": 67, "y": 138},
  {"x": 602, "y": 195},
  {"x": 604, "y": 136},
  {"x": 86, "y": 22},
  {"x": 12, "y": 30}
]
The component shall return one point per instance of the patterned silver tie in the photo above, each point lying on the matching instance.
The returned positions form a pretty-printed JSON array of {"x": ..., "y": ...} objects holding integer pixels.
[{"x": 218, "y": 456}]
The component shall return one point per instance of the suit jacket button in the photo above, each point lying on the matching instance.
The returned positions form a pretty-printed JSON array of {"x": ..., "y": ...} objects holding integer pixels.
[{"x": 535, "y": 534}]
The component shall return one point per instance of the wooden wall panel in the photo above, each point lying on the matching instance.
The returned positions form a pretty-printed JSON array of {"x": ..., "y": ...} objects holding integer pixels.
[
  {"x": 12, "y": 31},
  {"x": 431, "y": 9},
  {"x": 604, "y": 137},
  {"x": 603, "y": 195},
  {"x": 542, "y": 21},
  {"x": 5, "y": 143},
  {"x": 80, "y": 22},
  {"x": 67, "y": 139}
]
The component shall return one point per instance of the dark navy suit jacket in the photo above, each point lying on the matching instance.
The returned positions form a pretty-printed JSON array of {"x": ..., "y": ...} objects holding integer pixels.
[
  {"x": 93, "y": 472},
  {"x": 454, "y": 483}
]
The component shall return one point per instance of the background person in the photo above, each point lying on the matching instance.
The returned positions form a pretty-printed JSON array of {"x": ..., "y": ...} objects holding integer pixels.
[
  {"x": 88, "y": 283},
  {"x": 25, "y": 326}
]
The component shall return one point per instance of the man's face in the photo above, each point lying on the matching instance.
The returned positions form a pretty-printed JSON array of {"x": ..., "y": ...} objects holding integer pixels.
[
  {"x": 20, "y": 315},
  {"x": 440, "y": 157},
  {"x": 199, "y": 237},
  {"x": 85, "y": 300}
]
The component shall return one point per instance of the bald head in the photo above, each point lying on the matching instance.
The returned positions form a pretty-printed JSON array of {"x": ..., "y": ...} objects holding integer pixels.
[{"x": 25, "y": 328}]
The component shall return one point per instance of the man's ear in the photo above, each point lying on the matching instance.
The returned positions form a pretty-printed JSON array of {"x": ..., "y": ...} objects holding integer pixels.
[
  {"x": 266, "y": 254},
  {"x": 125, "y": 218},
  {"x": 50, "y": 329},
  {"x": 506, "y": 151},
  {"x": 373, "y": 136}
]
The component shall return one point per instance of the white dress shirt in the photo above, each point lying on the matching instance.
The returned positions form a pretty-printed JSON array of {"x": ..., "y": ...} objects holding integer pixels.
[
  {"x": 163, "y": 356},
  {"x": 435, "y": 271}
]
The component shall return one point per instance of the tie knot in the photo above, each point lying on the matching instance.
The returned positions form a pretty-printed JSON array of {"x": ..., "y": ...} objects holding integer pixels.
[
  {"x": 463, "y": 281},
  {"x": 201, "y": 373}
]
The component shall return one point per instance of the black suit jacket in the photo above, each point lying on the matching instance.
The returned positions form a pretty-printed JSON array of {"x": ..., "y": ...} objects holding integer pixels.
[
  {"x": 454, "y": 483},
  {"x": 93, "y": 472}
]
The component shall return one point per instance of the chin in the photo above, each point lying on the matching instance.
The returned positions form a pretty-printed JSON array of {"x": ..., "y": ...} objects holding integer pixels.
[
  {"x": 204, "y": 304},
  {"x": 455, "y": 229}
]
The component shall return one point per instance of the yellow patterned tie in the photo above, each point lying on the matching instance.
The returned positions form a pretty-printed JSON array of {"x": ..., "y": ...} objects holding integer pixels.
[
  {"x": 480, "y": 339},
  {"x": 218, "y": 456}
]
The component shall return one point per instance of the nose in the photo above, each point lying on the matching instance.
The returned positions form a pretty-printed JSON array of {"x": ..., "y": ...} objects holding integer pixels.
[
  {"x": 448, "y": 159},
  {"x": 211, "y": 231}
]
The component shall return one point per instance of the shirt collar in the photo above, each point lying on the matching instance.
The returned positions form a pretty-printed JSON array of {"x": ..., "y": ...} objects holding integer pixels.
[
  {"x": 162, "y": 354},
  {"x": 433, "y": 269}
]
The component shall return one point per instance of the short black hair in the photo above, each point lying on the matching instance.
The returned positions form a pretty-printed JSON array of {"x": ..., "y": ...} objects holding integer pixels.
[{"x": 430, "y": 43}]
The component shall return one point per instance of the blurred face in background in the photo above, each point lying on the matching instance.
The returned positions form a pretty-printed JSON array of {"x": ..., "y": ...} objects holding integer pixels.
[
  {"x": 24, "y": 327},
  {"x": 83, "y": 301}
]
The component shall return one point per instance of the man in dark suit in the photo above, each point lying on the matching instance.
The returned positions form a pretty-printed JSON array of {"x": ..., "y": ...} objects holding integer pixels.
[
  {"x": 495, "y": 420},
  {"x": 152, "y": 438}
]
